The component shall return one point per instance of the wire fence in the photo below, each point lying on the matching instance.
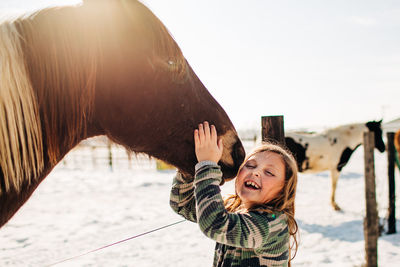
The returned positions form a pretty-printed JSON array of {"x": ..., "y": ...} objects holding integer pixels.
[{"x": 100, "y": 153}]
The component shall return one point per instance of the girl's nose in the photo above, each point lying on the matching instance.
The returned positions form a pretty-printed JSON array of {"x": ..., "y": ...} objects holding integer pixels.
[{"x": 256, "y": 174}]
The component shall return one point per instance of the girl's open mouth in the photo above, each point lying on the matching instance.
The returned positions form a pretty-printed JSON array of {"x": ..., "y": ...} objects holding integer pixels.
[{"x": 251, "y": 185}]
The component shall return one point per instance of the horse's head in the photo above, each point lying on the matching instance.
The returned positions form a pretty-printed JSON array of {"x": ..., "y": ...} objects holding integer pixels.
[
  {"x": 104, "y": 67},
  {"x": 111, "y": 67},
  {"x": 375, "y": 126},
  {"x": 147, "y": 96}
]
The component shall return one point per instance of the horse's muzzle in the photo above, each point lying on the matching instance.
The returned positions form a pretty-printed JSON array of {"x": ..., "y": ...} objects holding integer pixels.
[{"x": 238, "y": 154}]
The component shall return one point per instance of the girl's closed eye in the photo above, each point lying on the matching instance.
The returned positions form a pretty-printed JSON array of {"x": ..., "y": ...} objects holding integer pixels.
[
  {"x": 269, "y": 173},
  {"x": 250, "y": 166}
]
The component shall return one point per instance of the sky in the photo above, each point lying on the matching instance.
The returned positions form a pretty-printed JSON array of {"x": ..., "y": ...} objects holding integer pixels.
[{"x": 319, "y": 63}]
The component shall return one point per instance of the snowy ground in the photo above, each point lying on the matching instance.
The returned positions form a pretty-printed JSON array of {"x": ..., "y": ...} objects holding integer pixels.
[{"x": 78, "y": 210}]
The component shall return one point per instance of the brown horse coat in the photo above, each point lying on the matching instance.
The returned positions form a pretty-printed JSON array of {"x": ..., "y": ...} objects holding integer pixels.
[{"x": 104, "y": 67}]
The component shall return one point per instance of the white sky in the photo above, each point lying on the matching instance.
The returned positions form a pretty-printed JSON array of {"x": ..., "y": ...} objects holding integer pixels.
[{"x": 317, "y": 62}]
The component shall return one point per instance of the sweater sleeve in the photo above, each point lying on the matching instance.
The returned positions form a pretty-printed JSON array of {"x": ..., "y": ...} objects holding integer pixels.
[
  {"x": 247, "y": 230},
  {"x": 182, "y": 199}
]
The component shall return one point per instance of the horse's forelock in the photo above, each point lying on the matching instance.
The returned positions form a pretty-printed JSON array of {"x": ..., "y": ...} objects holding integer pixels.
[
  {"x": 21, "y": 151},
  {"x": 132, "y": 18},
  {"x": 158, "y": 37}
]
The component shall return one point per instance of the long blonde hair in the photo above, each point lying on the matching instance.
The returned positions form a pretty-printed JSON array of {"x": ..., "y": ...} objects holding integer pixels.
[{"x": 284, "y": 201}]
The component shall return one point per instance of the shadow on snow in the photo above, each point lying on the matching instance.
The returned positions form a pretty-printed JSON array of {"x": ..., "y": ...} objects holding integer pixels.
[{"x": 351, "y": 231}]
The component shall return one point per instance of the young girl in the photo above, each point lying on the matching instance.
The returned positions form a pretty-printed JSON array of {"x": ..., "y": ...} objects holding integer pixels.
[{"x": 252, "y": 227}]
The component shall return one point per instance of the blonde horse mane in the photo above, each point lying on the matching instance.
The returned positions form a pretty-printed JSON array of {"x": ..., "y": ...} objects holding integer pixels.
[
  {"x": 61, "y": 61},
  {"x": 21, "y": 150}
]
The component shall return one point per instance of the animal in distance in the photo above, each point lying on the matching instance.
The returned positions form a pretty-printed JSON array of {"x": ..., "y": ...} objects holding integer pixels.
[{"x": 331, "y": 149}]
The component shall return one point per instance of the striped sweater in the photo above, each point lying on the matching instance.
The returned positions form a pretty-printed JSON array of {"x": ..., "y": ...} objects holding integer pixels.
[{"x": 243, "y": 239}]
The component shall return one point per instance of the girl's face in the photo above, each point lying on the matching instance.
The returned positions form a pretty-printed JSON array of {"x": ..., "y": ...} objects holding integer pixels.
[{"x": 261, "y": 178}]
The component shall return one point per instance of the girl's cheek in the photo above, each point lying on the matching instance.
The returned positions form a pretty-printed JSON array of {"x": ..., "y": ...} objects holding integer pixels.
[
  {"x": 237, "y": 183},
  {"x": 241, "y": 174}
]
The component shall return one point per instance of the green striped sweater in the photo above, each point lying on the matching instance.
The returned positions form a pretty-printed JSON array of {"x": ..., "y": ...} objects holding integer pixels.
[{"x": 243, "y": 239}]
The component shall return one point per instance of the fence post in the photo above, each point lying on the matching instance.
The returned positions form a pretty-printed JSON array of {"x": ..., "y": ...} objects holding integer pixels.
[
  {"x": 392, "y": 207},
  {"x": 371, "y": 231},
  {"x": 129, "y": 154},
  {"x": 272, "y": 129},
  {"x": 93, "y": 148},
  {"x": 110, "y": 161}
]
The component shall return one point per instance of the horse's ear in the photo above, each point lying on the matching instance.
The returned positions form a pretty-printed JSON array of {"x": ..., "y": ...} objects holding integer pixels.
[
  {"x": 370, "y": 125},
  {"x": 373, "y": 125}
]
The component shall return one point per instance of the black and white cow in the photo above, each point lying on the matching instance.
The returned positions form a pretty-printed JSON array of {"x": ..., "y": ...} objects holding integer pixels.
[{"x": 331, "y": 149}]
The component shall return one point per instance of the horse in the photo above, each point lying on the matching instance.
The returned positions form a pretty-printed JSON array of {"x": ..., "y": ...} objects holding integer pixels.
[
  {"x": 97, "y": 68},
  {"x": 331, "y": 149}
]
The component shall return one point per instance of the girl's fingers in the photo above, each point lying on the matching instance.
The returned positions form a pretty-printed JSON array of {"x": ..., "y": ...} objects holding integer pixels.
[
  {"x": 206, "y": 134},
  {"x": 214, "y": 135},
  {"x": 207, "y": 130},
  {"x": 207, "y": 145},
  {"x": 196, "y": 137},
  {"x": 201, "y": 133}
]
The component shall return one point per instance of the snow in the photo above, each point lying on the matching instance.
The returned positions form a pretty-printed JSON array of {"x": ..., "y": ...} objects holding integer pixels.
[{"x": 79, "y": 208}]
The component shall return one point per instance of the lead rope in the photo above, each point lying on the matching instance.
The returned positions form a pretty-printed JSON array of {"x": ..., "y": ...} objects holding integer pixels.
[{"x": 115, "y": 243}]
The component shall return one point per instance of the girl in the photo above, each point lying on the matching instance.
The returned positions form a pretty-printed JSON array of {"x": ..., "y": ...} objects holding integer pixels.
[{"x": 252, "y": 227}]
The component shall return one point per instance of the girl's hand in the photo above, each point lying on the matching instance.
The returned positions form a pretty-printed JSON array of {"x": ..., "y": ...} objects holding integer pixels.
[{"x": 207, "y": 145}]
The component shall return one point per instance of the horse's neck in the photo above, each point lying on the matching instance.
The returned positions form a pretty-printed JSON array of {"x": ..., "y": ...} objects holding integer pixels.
[
  {"x": 12, "y": 199},
  {"x": 37, "y": 130}
]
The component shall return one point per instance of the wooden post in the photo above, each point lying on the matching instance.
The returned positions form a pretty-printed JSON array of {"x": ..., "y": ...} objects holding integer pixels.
[
  {"x": 272, "y": 129},
  {"x": 94, "y": 163},
  {"x": 110, "y": 161},
  {"x": 371, "y": 231},
  {"x": 392, "y": 207},
  {"x": 129, "y": 154}
]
